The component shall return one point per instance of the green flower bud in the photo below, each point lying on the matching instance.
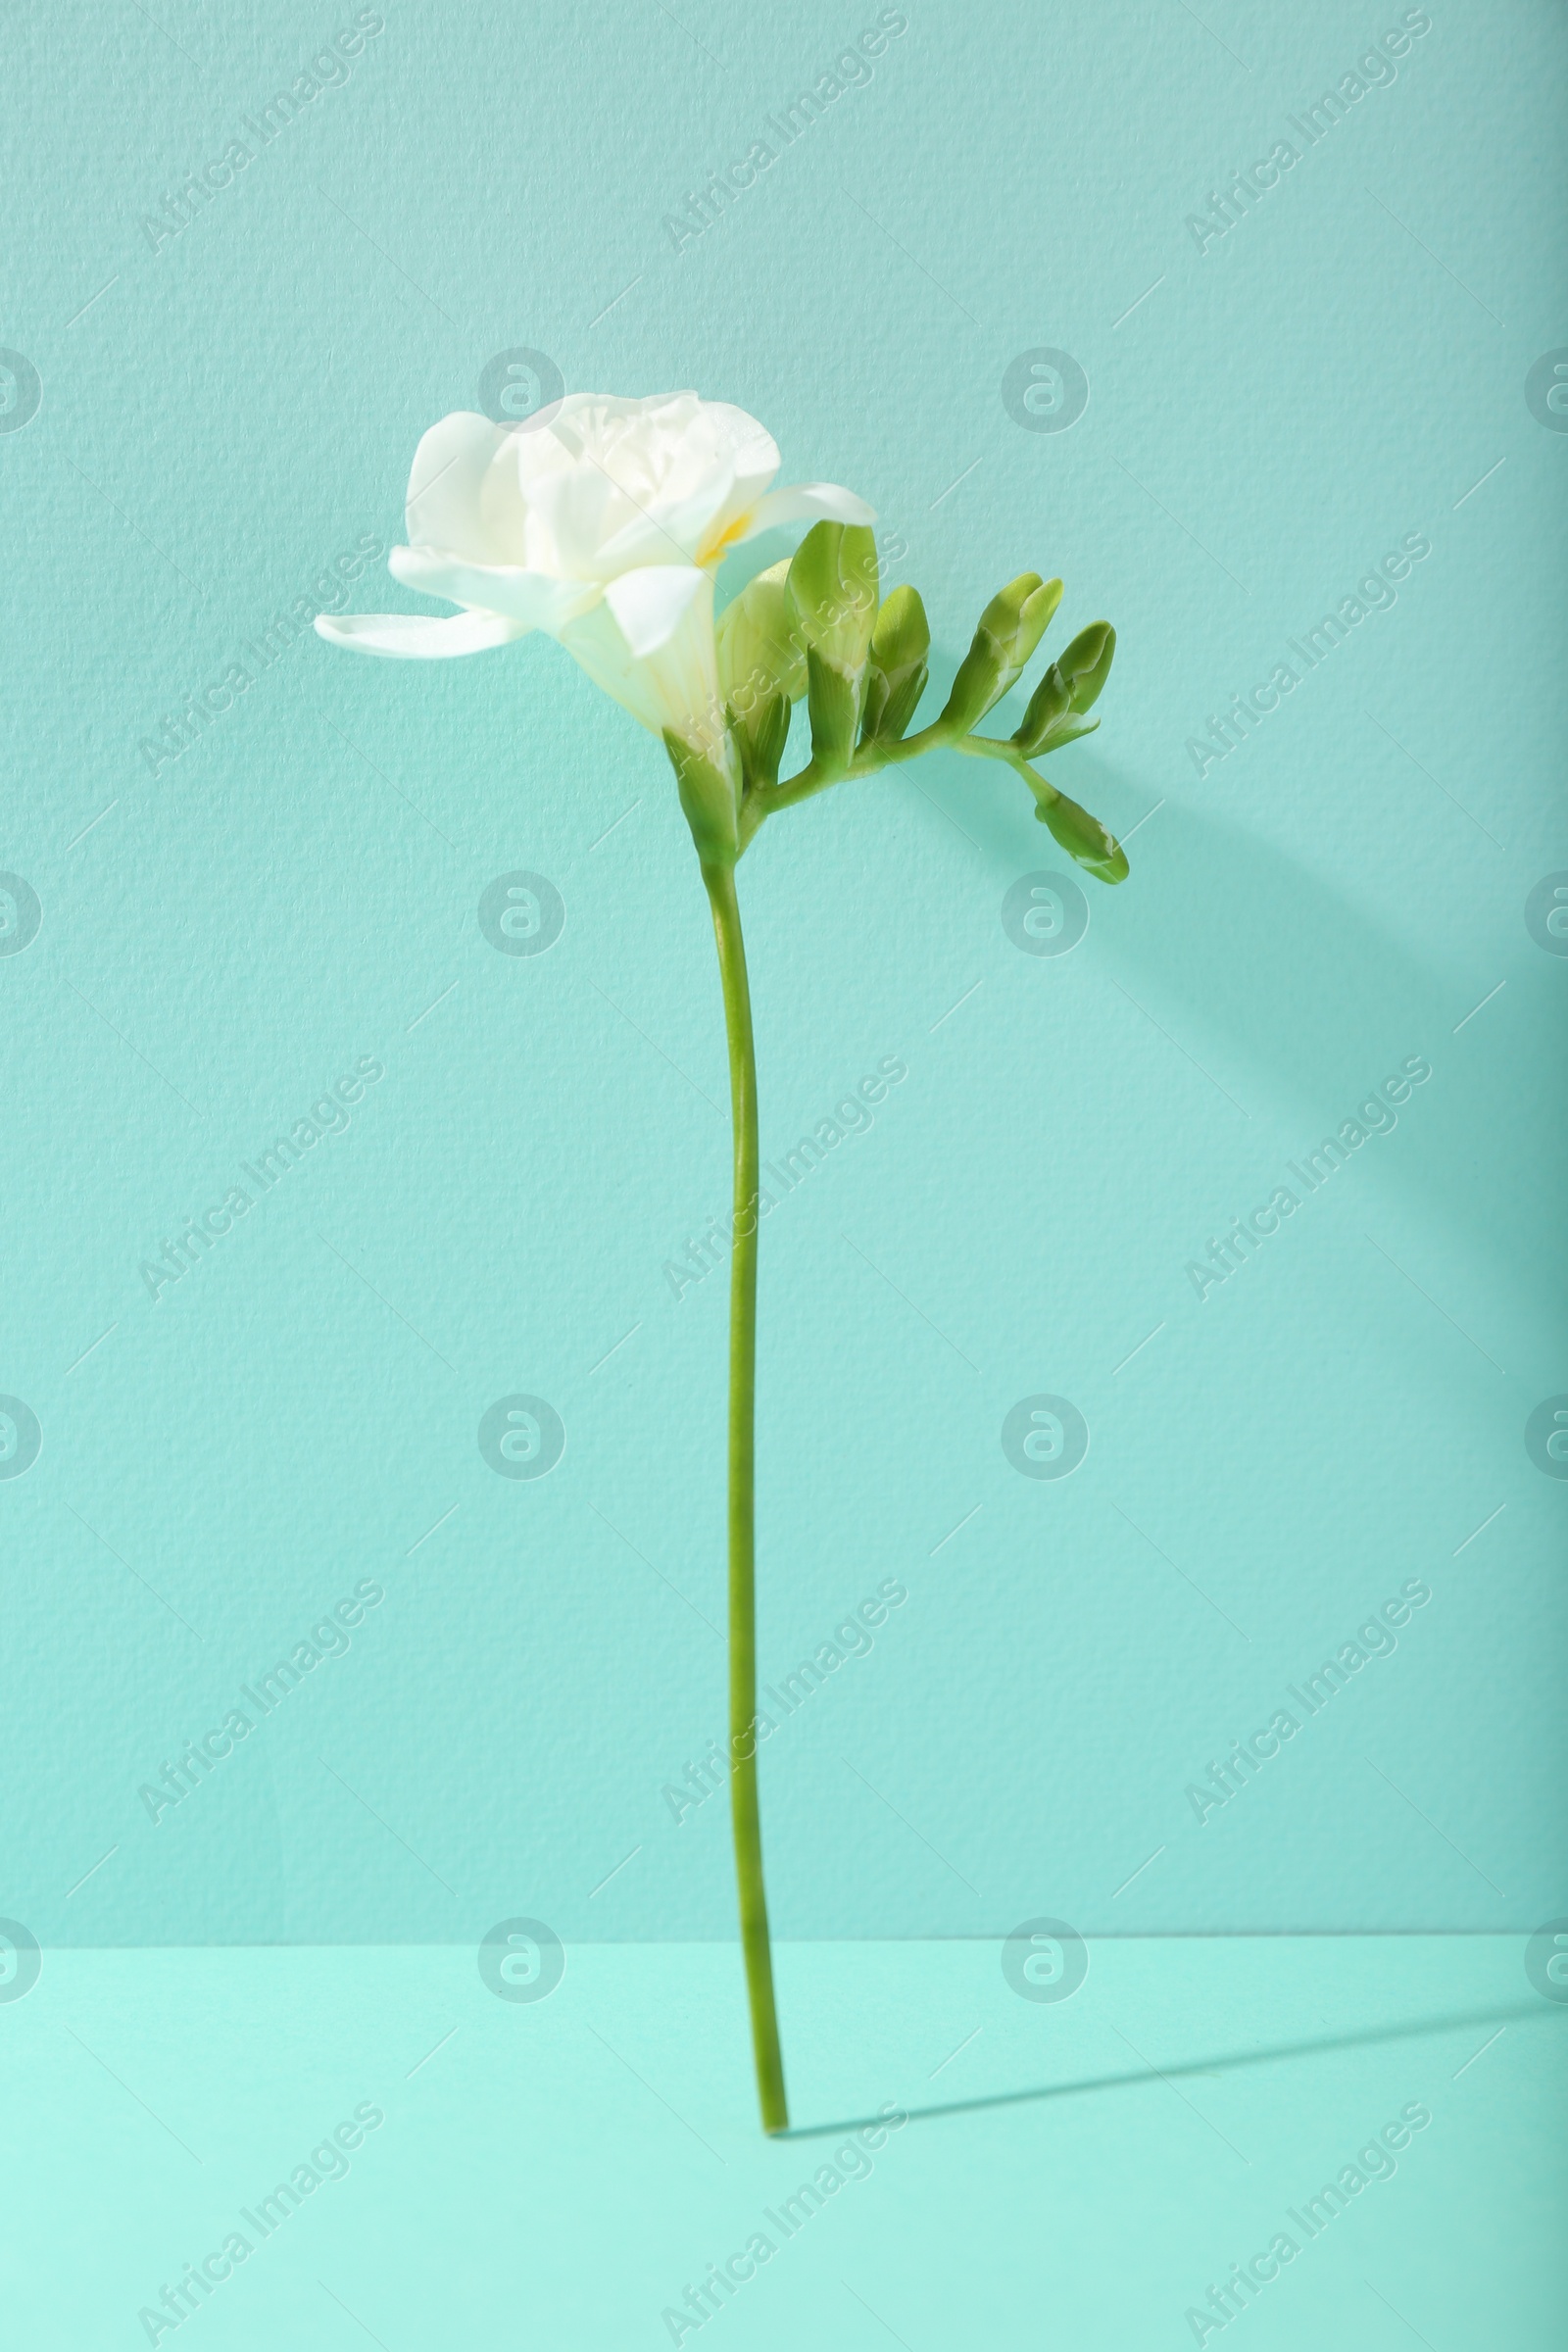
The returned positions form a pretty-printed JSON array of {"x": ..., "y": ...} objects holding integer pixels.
[
  {"x": 1010, "y": 627},
  {"x": 1067, "y": 689},
  {"x": 760, "y": 648},
  {"x": 1086, "y": 663},
  {"x": 709, "y": 782},
  {"x": 898, "y": 672},
  {"x": 832, "y": 585},
  {"x": 1049, "y": 705},
  {"x": 1083, "y": 837},
  {"x": 761, "y": 671}
]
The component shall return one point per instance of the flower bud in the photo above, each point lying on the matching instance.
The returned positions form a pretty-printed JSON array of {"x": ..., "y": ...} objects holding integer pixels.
[
  {"x": 1086, "y": 663},
  {"x": 760, "y": 646},
  {"x": 900, "y": 643},
  {"x": 1067, "y": 689},
  {"x": 761, "y": 671},
  {"x": 832, "y": 586},
  {"x": 1083, "y": 837},
  {"x": 1010, "y": 627},
  {"x": 1049, "y": 705}
]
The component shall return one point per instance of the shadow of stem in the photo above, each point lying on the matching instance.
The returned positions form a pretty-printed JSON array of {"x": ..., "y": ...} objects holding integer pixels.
[{"x": 1413, "y": 2030}]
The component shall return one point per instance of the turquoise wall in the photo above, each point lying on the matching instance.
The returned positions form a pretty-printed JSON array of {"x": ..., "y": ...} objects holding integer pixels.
[{"x": 1339, "y": 404}]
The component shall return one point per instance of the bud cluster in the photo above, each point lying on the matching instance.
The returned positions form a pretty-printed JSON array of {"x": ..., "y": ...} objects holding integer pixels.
[{"x": 813, "y": 630}]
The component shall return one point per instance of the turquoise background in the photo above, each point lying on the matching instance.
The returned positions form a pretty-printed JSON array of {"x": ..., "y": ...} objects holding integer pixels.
[{"x": 225, "y": 412}]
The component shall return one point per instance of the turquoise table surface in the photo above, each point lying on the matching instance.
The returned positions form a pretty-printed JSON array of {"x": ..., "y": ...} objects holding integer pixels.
[{"x": 564, "y": 2172}]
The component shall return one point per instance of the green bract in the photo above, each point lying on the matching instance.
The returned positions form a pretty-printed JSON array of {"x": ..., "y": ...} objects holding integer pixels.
[
  {"x": 708, "y": 797},
  {"x": 814, "y": 627}
]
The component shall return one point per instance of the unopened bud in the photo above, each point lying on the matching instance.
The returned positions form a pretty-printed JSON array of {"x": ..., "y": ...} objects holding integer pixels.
[
  {"x": 832, "y": 585},
  {"x": 760, "y": 646},
  {"x": 1073, "y": 681},
  {"x": 1010, "y": 627},
  {"x": 899, "y": 644},
  {"x": 761, "y": 671},
  {"x": 1086, "y": 663},
  {"x": 1083, "y": 837}
]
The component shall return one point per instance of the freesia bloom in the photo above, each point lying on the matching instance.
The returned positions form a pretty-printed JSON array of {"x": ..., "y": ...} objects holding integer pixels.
[
  {"x": 603, "y": 527},
  {"x": 603, "y": 521}
]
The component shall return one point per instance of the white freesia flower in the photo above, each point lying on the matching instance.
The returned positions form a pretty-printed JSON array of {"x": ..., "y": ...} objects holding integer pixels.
[{"x": 603, "y": 527}]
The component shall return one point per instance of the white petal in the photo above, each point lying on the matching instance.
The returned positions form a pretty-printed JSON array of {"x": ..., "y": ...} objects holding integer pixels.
[
  {"x": 614, "y": 485},
  {"x": 445, "y": 482},
  {"x": 678, "y": 686},
  {"x": 802, "y": 500},
  {"x": 724, "y": 463},
  {"x": 529, "y": 597},
  {"x": 586, "y": 414},
  {"x": 650, "y": 604},
  {"x": 417, "y": 636},
  {"x": 578, "y": 513},
  {"x": 750, "y": 447}
]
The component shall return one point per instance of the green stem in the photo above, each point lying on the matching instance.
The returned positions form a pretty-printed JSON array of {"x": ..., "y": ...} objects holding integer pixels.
[
  {"x": 769, "y": 799},
  {"x": 754, "y": 1945},
  {"x": 987, "y": 746}
]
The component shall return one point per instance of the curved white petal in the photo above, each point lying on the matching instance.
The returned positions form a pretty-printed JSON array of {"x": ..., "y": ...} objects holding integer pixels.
[
  {"x": 531, "y": 599},
  {"x": 816, "y": 501},
  {"x": 417, "y": 636},
  {"x": 583, "y": 524},
  {"x": 445, "y": 481},
  {"x": 650, "y": 604},
  {"x": 745, "y": 456},
  {"x": 748, "y": 446}
]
